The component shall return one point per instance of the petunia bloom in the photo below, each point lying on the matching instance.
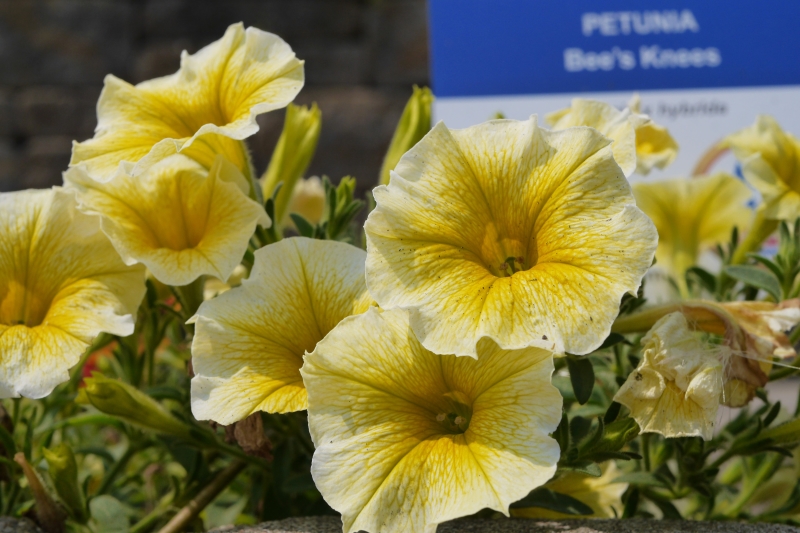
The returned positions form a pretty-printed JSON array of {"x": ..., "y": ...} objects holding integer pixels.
[
  {"x": 204, "y": 109},
  {"x": 676, "y": 389},
  {"x": 406, "y": 439},
  {"x": 752, "y": 332},
  {"x": 509, "y": 231},
  {"x": 770, "y": 161},
  {"x": 639, "y": 143},
  {"x": 603, "y": 494},
  {"x": 249, "y": 341},
  {"x": 178, "y": 219},
  {"x": 692, "y": 215},
  {"x": 61, "y": 285}
]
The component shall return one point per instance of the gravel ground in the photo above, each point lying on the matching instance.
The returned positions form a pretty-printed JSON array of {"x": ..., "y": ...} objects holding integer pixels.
[{"x": 326, "y": 524}]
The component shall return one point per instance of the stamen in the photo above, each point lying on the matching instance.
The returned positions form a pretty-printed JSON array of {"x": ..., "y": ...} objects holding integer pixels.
[{"x": 440, "y": 417}]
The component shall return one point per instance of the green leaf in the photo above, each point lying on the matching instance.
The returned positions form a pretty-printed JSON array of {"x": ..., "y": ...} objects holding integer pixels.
[
  {"x": 553, "y": 501},
  {"x": 773, "y": 413},
  {"x": 581, "y": 374},
  {"x": 561, "y": 434},
  {"x": 584, "y": 467},
  {"x": 304, "y": 227},
  {"x": 756, "y": 277},
  {"x": 616, "y": 435},
  {"x": 612, "y": 412},
  {"x": 707, "y": 280},
  {"x": 108, "y": 515},
  {"x": 775, "y": 269},
  {"x": 631, "y": 504},
  {"x": 578, "y": 428},
  {"x": 612, "y": 339}
]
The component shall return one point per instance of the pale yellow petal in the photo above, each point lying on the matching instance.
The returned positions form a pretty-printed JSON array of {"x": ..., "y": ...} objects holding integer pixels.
[
  {"x": 178, "y": 219},
  {"x": 202, "y": 110},
  {"x": 655, "y": 147},
  {"x": 676, "y": 389},
  {"x": 692, "y": 214},
  {"x": 382, "y": 411},
  {"x": 249, "y": 342},
  {"x": 615, "y": 124},
  {"x": 61, "y": 285},
  {"x": 462, "y": 204},
  {"x": 602, "y": 494}
]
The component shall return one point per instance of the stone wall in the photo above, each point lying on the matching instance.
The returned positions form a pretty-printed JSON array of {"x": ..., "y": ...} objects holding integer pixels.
[{"x": 362, "y": 56}]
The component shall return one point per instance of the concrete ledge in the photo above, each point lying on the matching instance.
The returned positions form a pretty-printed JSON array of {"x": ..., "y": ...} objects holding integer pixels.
[{"x": 329, "y": 524}]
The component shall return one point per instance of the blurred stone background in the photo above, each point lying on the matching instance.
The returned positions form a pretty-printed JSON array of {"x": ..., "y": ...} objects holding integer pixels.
[{"x": 362, "y": 56}]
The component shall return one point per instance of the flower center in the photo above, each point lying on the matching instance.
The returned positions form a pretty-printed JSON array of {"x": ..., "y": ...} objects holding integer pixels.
[
  {"x": 457, "y": 412},
  {"x": 20, "y": 306},
  {"x": 505, "y": 256}
]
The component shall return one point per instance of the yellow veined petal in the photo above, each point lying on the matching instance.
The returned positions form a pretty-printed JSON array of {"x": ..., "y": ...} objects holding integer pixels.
[
  {"x": 508, "y": 231},
  {"x": 61, "y": 285},
  {"x": 692, "y": 214},
  {"x": 602, "y": 494},
  {"x": 202, "y": 110},
  {"x": 676, "y": 389},
  {"x": 406, "y": 439},
  {"x": 249, "y": 342},
  {"x": 639, "y": 143},
  {"x": 178, "y": 219}
]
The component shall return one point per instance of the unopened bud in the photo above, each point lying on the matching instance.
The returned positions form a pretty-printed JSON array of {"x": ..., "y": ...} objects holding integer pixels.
[
  {"x": 64, "y": 473},
  {"x": 292, "y": 154},
  {"x": 414, "y": 124},
  {"x": 119, "y": 399}
]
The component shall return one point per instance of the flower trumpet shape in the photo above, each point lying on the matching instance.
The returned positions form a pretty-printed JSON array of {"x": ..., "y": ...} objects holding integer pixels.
[
  {"x": 676, "y": 389},
  {"x": 61, "y": 285},
  {"x": 639, "y": 143},
  {"x": 510, "y": 231},
  {"x": 771, "y": 163},
  {"x": 406, "y": 439},
  {"x": 691, "y": 215},
  {"x": 178, "y": 219},
  {"x": 603, "y": 494},
  {"x": 249, "y": 342},
  {"x": 204, "y": 109}
]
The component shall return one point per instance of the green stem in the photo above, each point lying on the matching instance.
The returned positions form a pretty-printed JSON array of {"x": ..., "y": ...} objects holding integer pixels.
[
  {"x": 646, "y": 451},
  {"x": 761, "y": 229},
  {"x": 112, "y": 474},
  {"x": 749, "y": 487},
  {"x": 152, "y": 517},
  {"x": 190, "y": 511}
]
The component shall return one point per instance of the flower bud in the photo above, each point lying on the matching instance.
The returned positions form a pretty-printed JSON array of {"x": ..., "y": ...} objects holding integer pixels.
[
  {"x": 414, "y": 124},
  {"x": 292, "y": 154},
  {"x": 64, "y": 473},
  {"x": 119, "y": 399}
]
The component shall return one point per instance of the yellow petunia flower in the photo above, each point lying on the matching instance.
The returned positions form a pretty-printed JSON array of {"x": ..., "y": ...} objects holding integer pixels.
[
  {"x": 692, "y": 215},
  {"x": 249, "y": 342},
  {"x": 406, "y": 439},
  {"x": 61, "y": 285},
  {"x": 676, "y": 389},
  {"x": 509, "y": 231},
  {"x": 770, "y": 161},
  {"x": 639, "y": 143},
  {"x": 178, "y": 219},
  {"x": 204, "y": 109},
  {"x": 602, "y": 494}
]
